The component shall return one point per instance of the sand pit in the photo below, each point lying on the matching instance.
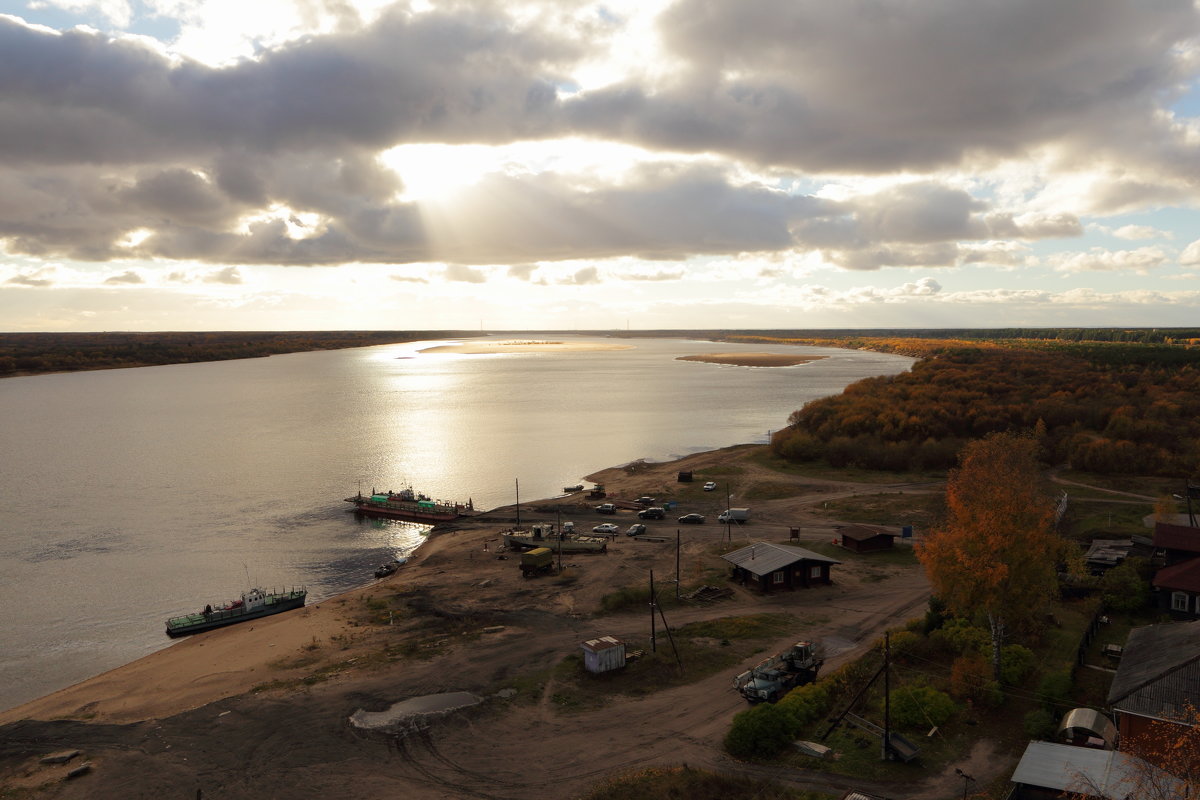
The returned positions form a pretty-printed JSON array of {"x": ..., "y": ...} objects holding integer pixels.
[
  {"x": 524, "y": 346},
  {"x": 752, "y": 359}
]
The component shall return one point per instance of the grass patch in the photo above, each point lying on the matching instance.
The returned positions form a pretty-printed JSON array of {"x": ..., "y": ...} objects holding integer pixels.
[
  {"x": 1089, "y": 519},
  {"x": 921, "y": 510},
  {"x": 815, "y": 469},
  {"x": 703, "y": 649},
  {"x": 655, "y": 783}
]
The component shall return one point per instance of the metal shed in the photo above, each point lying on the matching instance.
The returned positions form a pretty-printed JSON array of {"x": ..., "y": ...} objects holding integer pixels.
[{"x": 603, "y": 654}]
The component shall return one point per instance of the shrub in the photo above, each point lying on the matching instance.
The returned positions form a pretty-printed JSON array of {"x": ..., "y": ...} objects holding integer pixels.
[
  {"x": 1016, "y": 663},
  {"x": 763, "y": 731},
  {"x": 1039, "y": 724},
  {"x": 806, "y": 704},
  {"x": 959, "y": 636},
  {"x": 1055, "y": 688},
  {"x": 969, "y": 675},
  {"x": 904, "y": 643},
  {"x": 1123, "y": 589},
  {"x": 992, "y": 695},
  {"x": 921, "y": 706}
]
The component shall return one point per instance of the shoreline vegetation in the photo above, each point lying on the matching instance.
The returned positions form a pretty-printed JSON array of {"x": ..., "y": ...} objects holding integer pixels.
[{"x": 752, "y": 359}]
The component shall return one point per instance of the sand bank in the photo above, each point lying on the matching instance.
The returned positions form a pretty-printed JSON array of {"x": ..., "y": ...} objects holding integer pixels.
[
  {"x": 752, "y": 359},
  {"x": 524, "y": 346}
]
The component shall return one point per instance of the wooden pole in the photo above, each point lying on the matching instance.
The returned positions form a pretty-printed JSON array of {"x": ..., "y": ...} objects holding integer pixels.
[
  {"x": 678, "y": 577},
  {"x": 653, "y": 641}
]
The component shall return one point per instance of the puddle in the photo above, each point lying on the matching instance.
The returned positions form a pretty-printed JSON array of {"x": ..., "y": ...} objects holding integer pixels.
[{"x": 414, "y": 713}]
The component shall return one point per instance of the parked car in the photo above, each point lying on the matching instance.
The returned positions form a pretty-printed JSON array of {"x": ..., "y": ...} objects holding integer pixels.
[
  {"x": 695, "y": 519},
  {"x": 710, "y": 486},
  {"x": 606, "y": 508},
  {"x": 607, "y": 528},
  {"x": 636, "y": 530},
  {"x": 646, "y": 501},
  {"x": 652, "y": 513}
]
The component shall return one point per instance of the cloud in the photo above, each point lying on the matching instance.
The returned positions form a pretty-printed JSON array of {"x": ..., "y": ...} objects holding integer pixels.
[
  {"x": 128, "y": 277},
  {"x": 1098, "y": 259},
  {"x": 35, "y": 278},
  {"x": 229, "y": 276},
  {"x": 409, "y": 278},
  {"x": 1191, "y": 254},
  {"x": 460, "y": 273}
]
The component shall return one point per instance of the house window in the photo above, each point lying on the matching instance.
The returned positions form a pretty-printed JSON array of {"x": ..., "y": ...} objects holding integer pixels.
[
  {"x": 814, "y": 572},
  {"x": 1180, "y": 601},
  {"x": 777, "y": 577}
]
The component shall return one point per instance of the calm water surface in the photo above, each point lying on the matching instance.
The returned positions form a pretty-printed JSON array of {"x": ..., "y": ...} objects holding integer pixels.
[{"x": 130, "y": 495}]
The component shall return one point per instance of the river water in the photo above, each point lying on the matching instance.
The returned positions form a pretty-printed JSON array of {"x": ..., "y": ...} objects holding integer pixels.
[{"x": 131, "y": 495}]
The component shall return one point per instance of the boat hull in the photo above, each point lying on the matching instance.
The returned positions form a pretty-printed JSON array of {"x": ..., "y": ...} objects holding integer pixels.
[
  {"x": 396, "y": 509},
  {"x": 219, "y": 618},
  {"x": 566, "y": 545}
]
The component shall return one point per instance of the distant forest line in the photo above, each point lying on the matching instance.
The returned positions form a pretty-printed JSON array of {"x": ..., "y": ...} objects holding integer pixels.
[
  {"x": 38, "y": 353},
  {"x": 1115, "y": 406}
]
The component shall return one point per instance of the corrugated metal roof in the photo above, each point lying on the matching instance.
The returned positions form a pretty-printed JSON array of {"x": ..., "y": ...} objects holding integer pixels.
[
  {"x": 1177, "y": 537},
  {"x": 1184, "y": 576},
  {"x": 1159, "y": 672},
  {"x": 862, "y": 532},
  {"x": 1099, "y": 773},
  {"x": 601, "y": 643},
  {"x": 762, "y": 558}
]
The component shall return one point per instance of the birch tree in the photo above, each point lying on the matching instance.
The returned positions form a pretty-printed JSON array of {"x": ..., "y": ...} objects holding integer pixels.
[{"x": 997, "y": 552}]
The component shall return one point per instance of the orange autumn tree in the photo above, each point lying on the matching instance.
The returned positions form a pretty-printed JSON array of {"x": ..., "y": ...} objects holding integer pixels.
[{"x": 996, "y": 552}]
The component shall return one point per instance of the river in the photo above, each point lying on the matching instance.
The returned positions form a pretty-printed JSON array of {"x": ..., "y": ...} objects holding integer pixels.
[{"x": 132, "y": 495}]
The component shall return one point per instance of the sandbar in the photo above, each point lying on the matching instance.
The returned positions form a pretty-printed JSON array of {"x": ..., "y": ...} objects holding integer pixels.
[
  {"x": 753, "y": 359},
  {"x": 524, "y": 346}
]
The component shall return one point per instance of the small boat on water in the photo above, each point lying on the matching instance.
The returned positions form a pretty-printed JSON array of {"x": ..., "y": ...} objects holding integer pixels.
[
  {"x": 253, "y": 604},
  {"x": 407, "y": 505},
  {"x": 545, "y": 536},
  {"x": 387, "y": 569}
]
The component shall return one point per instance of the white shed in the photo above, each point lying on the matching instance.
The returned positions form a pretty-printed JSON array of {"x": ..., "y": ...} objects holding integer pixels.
[{"x": 603, "y": 654}]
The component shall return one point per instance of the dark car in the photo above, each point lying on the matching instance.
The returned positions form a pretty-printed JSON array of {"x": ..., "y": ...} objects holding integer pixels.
[
  {"x": 646, "y": 501},
  {"x": 652, "y": 513},
  {"x": 695, "y": 519},
  {"x": 636, "y": 530}
]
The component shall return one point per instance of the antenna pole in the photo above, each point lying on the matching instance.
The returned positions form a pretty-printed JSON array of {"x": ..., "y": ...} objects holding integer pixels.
[{"x": 678, "y": 576}]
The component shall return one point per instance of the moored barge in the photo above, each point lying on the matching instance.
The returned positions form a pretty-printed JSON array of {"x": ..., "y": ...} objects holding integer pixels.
[
  {"x": 407, "y": 505},
  {"x": 253, "y": 604}
]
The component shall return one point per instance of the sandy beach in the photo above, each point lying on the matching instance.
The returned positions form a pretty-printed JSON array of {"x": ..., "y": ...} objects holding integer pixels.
[
  {"x": 752, "y": 359},
  {"x": 263, "y": 708}
]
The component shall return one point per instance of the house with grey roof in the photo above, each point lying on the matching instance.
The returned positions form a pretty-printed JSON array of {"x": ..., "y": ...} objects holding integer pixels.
[
  {"x": 770, "y": 567},
  {"x": 1048, "y": 770},
  {"x": 1158, "y": 682}
]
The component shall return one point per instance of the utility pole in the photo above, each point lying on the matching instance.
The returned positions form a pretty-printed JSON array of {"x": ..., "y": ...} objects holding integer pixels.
[
  {"x": 678, "y": 577},
  {"x": 653, "y": 640},
  {"x": 518, "y": 483}
]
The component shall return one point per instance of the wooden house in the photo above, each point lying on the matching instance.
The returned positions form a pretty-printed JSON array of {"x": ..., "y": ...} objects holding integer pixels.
[
  {"x": 770, "y": 567},
  {"x": 867, "y": 538},
  {"x": 1178, "y": 542},
  {"x": 1177, "y": 589},
  {"x": 1157, "y": 683}
]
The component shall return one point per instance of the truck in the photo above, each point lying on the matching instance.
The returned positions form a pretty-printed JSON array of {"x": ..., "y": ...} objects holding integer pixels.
[
  {"x": 537, "y": 561},
  {"x": 606, "y": 508},
  {"x": 772, "y": 678},
  {"x": 738, "y": 515}
]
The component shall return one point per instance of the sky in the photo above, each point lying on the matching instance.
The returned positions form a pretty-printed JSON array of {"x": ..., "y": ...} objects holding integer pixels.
[{"x": 634, "y": 164}]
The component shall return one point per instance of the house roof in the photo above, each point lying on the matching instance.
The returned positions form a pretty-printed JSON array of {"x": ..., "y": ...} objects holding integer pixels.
[
  {"x": 1177, "y": 537},
  {"x": 762, "y": 558},
  {"x": 1108, "y": 552},
  {"x": 1108, "y": 774},
  {"x": 860, "y": 533},
  {"x": 1159, "y": 674},
  {"x": 1184, "y": 576}
]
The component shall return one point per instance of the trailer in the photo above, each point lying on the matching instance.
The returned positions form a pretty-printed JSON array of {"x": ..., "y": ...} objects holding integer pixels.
[
  {"x": 770, "y": 679},
  {"x": 537, "y": 561}
]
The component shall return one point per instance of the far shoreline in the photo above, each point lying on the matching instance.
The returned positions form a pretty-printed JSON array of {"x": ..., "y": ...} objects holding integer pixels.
[{"x": 753, "y": 359}]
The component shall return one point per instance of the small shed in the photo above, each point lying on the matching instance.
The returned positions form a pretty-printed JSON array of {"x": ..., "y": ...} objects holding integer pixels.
[
  {"x": 867, "y": 538},
  {"x": 685, "y": 476},
  {"x": 779, "y": 566},
  {"x": 1087, "y": 727},
  {"x": 603, "y": 654}
]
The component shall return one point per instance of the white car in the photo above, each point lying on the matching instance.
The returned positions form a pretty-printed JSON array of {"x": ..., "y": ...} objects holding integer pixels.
[
  {"x": 710, "y": 486},
  {"x": 607, "y": 528}
]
